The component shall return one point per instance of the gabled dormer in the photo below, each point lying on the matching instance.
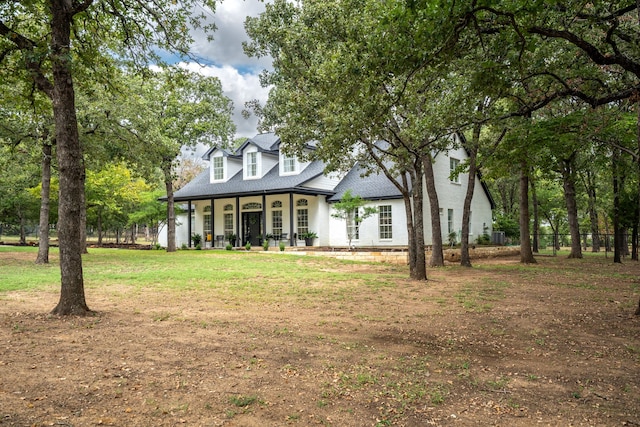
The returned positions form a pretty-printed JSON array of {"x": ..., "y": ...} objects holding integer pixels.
[
  {"x": 290, "y": 164},
  {"x": 259, "y": 155},
  {"x": 222, "y": 164}
]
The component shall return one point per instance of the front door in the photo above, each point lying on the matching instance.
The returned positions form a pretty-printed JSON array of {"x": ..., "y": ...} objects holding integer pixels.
[{"x": 251, "y": 228}]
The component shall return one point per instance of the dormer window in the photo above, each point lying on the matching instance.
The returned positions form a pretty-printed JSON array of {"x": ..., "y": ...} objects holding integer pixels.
[
  {"x": 251, "y": 167},
  {"x": 288, "y": 164},
  {"x": 218, "y": 168}
]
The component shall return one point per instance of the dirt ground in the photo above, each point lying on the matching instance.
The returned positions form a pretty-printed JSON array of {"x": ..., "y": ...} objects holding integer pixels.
[{"x": 499, "y": 344}]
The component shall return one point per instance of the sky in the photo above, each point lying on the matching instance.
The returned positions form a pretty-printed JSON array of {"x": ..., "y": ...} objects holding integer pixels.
[{"x": 224, "y": 58}]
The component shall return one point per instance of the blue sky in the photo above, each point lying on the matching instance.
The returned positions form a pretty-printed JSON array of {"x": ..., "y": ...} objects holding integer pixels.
[{"x": 224, "y": 58}]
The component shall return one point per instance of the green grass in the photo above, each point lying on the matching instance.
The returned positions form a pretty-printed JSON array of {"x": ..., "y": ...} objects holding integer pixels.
[{"x": 258, "y": 276}]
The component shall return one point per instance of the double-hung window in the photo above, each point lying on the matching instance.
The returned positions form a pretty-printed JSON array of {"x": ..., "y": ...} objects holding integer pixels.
[
  {"x": 252, "y": 164},
  {"x": 454, "y": 176},
  {"x": 289, "y": 164},
  {"x": 385, "y": 222},
  {"x": 302, "y": 217},
  {"x": 218, "y": 168}
]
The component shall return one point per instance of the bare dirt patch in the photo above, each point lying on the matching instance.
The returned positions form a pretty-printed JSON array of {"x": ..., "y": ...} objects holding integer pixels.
[{"x": 499, "y": 344}]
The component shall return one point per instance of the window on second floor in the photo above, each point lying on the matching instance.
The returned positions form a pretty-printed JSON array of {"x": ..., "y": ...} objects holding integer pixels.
[
  {"x": 252, "y": 164},
  {"x": 288, "y": 164},
  {"x": 218, "y": 168},
  {"x": 454, "y": 176}
]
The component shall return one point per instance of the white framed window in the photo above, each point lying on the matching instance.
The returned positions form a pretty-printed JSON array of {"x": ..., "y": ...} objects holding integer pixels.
[
  {"x": 251, "y": 168},
  {"x": 228, "y": 224},
  {"x": 302, "y": 221},
  {"x": 218, "y": 168},
  {"x": 288, "y": 164},
  {"x": 385, "y": 222},
  {"x": 453, "y": 166},
  {"x": 206, "y": 227},
  {"x": 276, "y": 223}
]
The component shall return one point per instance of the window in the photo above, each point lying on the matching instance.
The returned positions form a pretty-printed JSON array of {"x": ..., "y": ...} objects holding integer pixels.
[
  {"x": 228, "y": 224},
  {"x": 276, "y": 223},
  {"x": 207, "y": 223},
  {"x": 218, "y": 168},
  {"x": 450, "y": 221},
  {"x": 302, "y": 202},
  {"x": 288, "y": 163},
  {"x": 276, "y": 204},
  {"x": 385, "y": 222},
  {"x": 353, "y": 227},
  {"x": 252, "y": 206},
  {"x": 228, "y": 207},
  {"x": 303, "y": 221},
  {"x": 454, "y": 176},
  {"x": 252, "y": 164}
]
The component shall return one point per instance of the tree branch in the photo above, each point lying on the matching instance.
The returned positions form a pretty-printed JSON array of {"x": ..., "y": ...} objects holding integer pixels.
[
  {"x": 27, "y": 45},
  {"x": 592, "y": 51}
]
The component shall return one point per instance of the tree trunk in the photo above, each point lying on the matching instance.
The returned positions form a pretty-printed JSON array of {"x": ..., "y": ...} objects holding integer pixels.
[
  {"x": 23, "y": 233},
  {"x": 617, "y": 235},
  {"x": 171, "y": 213},
  {"x": 420, "y": 272},
  {"x": 45, "y": 191},
  {"x": 536, "y": 218},
  {"x": 526, "y": 255},
  {"x": 568, "y": 183},
  {"x": 83, "y": 215},
  {"x": 437, "y": 255},
  {"x": 71, "y": 171},
  {"x": 590, "y": 185},
  {"x": 465, "y": 259},
  {"x": 99, "y": 226}
]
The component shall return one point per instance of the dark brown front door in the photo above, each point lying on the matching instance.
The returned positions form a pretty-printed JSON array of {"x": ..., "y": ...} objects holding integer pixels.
[{"x": 251, "y": 228}]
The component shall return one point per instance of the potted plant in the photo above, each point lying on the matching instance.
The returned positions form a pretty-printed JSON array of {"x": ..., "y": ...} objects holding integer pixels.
[
  {"x": 231, "y": 237},
  {"x": 308, "y": 237},
  {"x": 268, "y": 238},
  {"x": 197, "y": 239}
]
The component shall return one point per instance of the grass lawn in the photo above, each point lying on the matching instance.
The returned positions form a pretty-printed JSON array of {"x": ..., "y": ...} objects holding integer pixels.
[{"x": 253, "y": 339}]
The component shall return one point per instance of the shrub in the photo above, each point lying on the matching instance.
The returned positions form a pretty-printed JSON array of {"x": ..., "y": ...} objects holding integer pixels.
[
  {"x": 265, "y": 245},
  {"x": 229, "y": 247},
  {"x": 248, "y": 246},
  {"x": 281, "y": 246}
]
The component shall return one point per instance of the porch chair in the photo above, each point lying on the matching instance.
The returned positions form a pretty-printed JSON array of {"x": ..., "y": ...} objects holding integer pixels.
[{"x": 219, "y": 240}]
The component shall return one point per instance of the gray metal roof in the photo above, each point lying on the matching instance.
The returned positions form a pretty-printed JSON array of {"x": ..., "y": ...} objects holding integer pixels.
[
  {"x": 271, "y": 183},
  {"x": 375, "y": 186},
  {"x": 264, "y": 141}
]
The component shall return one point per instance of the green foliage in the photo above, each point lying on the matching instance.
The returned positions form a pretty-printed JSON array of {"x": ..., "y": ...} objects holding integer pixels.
[
  {"x": 309, "y": 235},
  {"x": 509, "y": 225},
  {"x": 265, "y": 244},
  {"x": 247, "y": 246},
  {"x": 229, "y": 247},
  {"x": 196, "y": 239},
  {"x": 281, "y": 245},
  {"x": 352, "y": 209}
]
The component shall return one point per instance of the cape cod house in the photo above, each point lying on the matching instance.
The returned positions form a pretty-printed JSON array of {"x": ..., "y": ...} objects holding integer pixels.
[{"x": 257, "y": 190}]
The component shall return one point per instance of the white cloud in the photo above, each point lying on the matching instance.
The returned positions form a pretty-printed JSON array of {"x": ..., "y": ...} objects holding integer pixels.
[
  {"x": 226, "y": 47},
  {"x": 225, "y": 59},
  {"x": 240, "y": 88}
]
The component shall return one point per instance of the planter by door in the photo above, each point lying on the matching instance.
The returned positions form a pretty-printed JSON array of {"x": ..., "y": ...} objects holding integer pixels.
[{"x": 308, "y": 241}]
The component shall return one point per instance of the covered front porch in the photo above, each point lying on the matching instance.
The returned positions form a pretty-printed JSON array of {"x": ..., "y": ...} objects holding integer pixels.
[{"x": 242, "y": 219}]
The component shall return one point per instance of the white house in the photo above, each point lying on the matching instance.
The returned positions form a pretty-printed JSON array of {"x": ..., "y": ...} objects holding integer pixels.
[{"x": 257, "y": 190}]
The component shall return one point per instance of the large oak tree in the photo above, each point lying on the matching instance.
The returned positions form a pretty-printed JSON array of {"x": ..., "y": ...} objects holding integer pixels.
[{"x": 39, "y": 33}]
